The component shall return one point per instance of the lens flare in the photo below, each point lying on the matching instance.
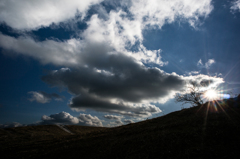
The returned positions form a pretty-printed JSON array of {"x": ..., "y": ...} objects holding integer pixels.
[{"x": 211, "y": 94}]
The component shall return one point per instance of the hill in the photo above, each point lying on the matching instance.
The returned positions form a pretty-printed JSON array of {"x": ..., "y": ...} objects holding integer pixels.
[{"x": 208, "y": 131}]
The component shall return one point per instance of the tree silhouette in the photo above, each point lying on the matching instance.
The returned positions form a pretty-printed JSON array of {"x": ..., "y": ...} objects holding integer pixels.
[{"x": 193, "y": 95}]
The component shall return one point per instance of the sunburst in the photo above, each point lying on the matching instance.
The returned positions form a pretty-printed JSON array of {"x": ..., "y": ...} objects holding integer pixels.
[{"x": 211, "y": 94}]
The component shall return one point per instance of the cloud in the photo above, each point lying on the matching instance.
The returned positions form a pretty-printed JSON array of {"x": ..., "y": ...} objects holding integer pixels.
[
  {"x": 64, "y": 118},
  {"x": 235, "y": 5},
  {"x": 104, "y": 67},
  {"x": 113, "y": 117},
  {"x": 117, "y": 31},
  {"x": 194, "y": 72},
  {"x": 11, "y": 125},
  {"x": 128, "y": 121},
  {"x": 47, "y": 52},
  {"x": 118, "y": 119},
  {"x": 128, "y": 89},
  {"x": 83, "y": 102},
  {"x": 205, "y": 80},
  {"x": 43, "y": 97},
  {"x": 207, "y": 64},
  {"x": 158, "y": 12},
  {"x": 200, "y": 63},
  {"x": 59, "y": 118},
  {"x": 118, "y": 122},
  {"x": 75, "y": 52},
  {"x": 115, "y": 123},
  {"x": 87, "y": 119},
  {"x": 25, "y": 14},
  {"x": 128, "y": 80}
]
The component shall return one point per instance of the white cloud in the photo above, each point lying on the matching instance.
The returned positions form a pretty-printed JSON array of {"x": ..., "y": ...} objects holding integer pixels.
[
  {"x": 207, "y": 64},
  {"x": 118, "y": 122},
  {"x": 128, "y": 121},
  {"x": 121, "y": 32},
  {"x": 235, "y": 5},
  {"x": 115, "y": 123},
  {"x": 49, "y": 51},
  {"x": 116, "y": 33},
  {"x": 200, "y": 63},
  {"x": 46, "y": 118},
  {"x": 64, "y": 118},
  {"x": 87, "y": 119},
  {"x": 158, "y": 12},
  {"x": 38, "y": 97},
  {"x": 193, "y": 72},
  {"x": 11, "y": 125},
  {"x": 43, "y": 97},
  {"x": 28, "y": 14},
  {"x": 71, "y": 53},
  {"x": 211, "y": 81},
  {"x": 59, "y": 118}
]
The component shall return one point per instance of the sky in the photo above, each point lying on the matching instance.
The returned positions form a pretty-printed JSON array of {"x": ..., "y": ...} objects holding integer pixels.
[{"x": 112, "y": 62}]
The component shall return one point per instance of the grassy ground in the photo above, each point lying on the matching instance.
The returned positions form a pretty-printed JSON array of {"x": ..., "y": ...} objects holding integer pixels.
[{"x": 206, "y": 131}]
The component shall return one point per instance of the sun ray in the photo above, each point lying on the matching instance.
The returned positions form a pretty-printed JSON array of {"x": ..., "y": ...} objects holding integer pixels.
[{"x": 231, "y": 69}]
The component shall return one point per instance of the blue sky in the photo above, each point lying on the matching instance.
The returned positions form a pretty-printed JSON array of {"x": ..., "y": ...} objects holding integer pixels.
[{"x": 109, "y": 63}]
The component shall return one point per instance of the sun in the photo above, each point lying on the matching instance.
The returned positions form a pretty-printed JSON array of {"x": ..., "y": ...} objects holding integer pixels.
[{"x": 210, "y": 94}]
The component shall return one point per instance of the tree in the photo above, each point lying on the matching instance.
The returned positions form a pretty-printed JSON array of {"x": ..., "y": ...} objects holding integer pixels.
[{"x": 193, "y": 95}]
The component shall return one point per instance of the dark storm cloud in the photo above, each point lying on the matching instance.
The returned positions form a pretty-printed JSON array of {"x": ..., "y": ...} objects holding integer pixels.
[
  {"x": 43, "y": 97},
  {"x": 126, "y": 80},
  {"x": 117, "y": 77}
]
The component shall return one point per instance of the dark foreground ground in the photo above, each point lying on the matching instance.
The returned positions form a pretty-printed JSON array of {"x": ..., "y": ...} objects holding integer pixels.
[{"x": 206, "y": 131}]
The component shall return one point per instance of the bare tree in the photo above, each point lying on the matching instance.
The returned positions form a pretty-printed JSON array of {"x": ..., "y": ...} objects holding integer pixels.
[{"x": 193, "y": 95}]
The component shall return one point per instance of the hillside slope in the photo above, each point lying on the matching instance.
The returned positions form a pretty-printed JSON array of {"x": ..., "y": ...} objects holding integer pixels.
[{"x": 208, "y": 131}]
